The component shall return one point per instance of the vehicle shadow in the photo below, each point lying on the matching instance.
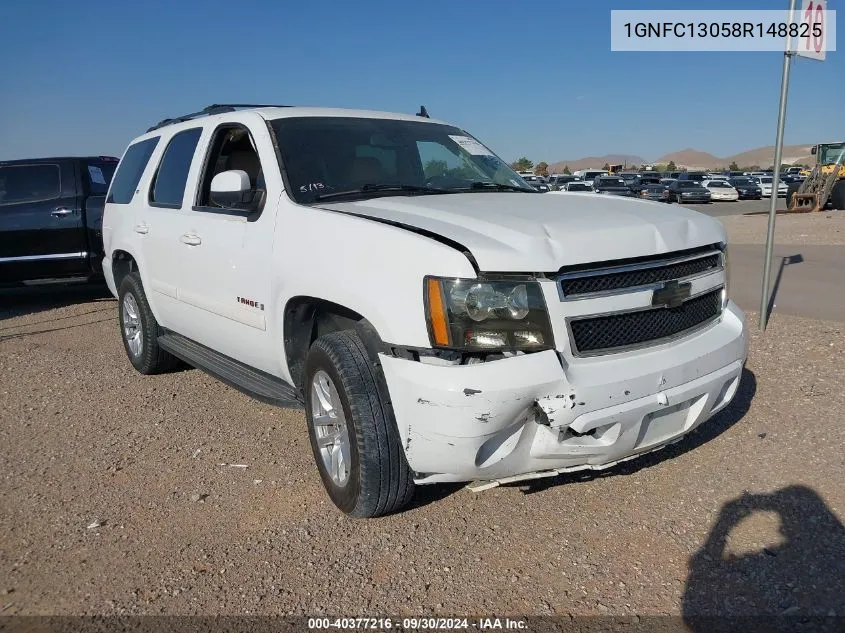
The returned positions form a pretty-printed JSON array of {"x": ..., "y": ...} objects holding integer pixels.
[
  {"x": 708, "y": 431},
  {"x": 432, "y": 493},
  {"x": 795, "y": 585},
  {"x": 16, "y": 302}
]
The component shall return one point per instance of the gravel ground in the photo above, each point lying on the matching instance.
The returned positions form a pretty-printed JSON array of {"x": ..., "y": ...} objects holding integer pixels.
[
  {"x": 124, "y": 494},
  {"x": 800, "y": 228},
  {"x": 121, "y": 494}
]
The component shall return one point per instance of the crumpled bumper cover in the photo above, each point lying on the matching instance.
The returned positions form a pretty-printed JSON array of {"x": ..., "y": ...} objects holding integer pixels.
[{"x": 536, "y": 415}]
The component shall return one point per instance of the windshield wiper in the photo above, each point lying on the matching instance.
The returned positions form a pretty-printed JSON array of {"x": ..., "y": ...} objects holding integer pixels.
[
  {"x": 484, "y": 184},
  {"x": 380, "y": 188}
]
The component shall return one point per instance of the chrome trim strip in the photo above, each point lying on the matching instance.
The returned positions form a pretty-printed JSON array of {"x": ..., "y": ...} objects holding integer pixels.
[
  {"x": 610, "y": 270},
  {"x": 37, "y": 258},
  {"x": 651, "y": 342}
]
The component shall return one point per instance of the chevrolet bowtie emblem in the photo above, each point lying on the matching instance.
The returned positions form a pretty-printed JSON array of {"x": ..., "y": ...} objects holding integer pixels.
[{"x": 671, "y": 295}]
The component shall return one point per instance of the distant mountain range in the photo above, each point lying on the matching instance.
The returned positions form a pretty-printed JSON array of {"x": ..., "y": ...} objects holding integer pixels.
[{"x": 693, "y": 159}]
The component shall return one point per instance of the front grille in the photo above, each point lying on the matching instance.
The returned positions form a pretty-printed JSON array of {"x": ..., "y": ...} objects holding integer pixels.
[
  {"x": 646, "y": 274},
  {"x": 591, "y": 335}
]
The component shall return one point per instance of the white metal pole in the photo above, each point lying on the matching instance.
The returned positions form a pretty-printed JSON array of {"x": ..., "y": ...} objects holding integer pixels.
[{"x": 770, "y": 237}]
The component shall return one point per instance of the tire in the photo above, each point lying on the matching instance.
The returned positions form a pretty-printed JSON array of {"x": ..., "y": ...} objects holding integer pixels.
[
  {"x": 837, "y": 196},
  {"x": 791, "y": 191},
  {"x": 134, "y": 315},
  {"x": 378, "y": 480}
]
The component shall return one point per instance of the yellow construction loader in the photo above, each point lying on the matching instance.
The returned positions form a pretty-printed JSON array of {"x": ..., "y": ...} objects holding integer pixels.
[{"x": 825, "y": 184}]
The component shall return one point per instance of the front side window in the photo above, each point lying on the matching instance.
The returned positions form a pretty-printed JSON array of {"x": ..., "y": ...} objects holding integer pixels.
[
  {"x": 29, "y": 183},
  {"x": 129, "y": 171},
  {"x": 168, "y": 187},
  {"x": 233, "y": 149},
  {"x": 359, "y": 158}
]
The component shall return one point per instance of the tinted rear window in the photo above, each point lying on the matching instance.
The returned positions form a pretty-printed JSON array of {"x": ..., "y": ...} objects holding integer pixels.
[
  {"x": 29, "y": 183},
  {"x": 130, "y": 170},
  {"x": 169, "y": 187},
  {"x": 99, "y": 175}
]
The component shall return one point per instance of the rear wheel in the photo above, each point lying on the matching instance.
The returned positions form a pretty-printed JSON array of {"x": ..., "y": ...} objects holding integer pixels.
[
  {"x": 352, "y": 430},
  {"x": 140, "y": 330}
]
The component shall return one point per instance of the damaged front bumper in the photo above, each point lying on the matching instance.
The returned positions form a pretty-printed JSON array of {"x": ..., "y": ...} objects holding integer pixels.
[{"x": 540, "y": 414}]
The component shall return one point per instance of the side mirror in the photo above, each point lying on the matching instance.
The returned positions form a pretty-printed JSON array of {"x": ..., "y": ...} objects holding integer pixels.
[
  {"x": 813, "y": 150},
  {"x": 232, "y": 190}
]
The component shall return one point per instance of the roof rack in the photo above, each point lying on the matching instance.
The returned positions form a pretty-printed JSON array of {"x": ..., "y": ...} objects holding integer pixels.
[{"x": 217, "y": 108}]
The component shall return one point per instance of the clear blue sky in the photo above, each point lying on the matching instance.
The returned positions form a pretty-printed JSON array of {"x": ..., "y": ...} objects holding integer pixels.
[{"x": 81, "y": 77}]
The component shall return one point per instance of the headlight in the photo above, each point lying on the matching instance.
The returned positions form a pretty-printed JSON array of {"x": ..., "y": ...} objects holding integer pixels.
[
  {"x": 479, "y": 314},
  {"x": 725, "y": 292}
]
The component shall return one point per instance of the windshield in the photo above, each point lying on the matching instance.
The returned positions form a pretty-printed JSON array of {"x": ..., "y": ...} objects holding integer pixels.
[
  {"x": 688, "y": 184},
  {"x": 717, "y": 183},
  {"x": 589, "y": 175},
  {"x": 743, "y": 181},
  {"x": 696, "y": 177},
  {"x": 831, "y": 154},
  {"x": 574, "y": 186},
  {"x": 766, "y": 180},
  {"x": 326, "y": 155}
]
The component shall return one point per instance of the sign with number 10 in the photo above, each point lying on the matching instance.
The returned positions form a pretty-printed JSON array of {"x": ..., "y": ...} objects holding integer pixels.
[{"x": 813, "y": 12}]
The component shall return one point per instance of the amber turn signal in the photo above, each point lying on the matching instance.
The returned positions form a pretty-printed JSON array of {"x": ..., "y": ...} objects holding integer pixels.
[{"x": 437, "y": 313}]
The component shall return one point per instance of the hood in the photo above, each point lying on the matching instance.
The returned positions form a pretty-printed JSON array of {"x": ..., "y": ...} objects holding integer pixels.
[{"x": 516, "y": 232}]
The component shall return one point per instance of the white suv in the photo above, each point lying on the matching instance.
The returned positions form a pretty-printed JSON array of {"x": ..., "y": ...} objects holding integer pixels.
[{"x": 438, "y": 320}]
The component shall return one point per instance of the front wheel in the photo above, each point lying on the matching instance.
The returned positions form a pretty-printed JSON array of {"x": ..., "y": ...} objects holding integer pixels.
[
  {"x": 352, "y": 430},
  {"x": 837, "y": 196}
]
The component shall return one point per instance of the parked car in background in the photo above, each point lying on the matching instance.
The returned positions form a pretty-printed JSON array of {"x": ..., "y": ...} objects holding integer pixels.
[
  {"x": 51, "y": 215},
  {"x": 537, "y": 182},
  {"x": 688, "y": 191},
  {"x": 612, "y": 185},
  {"x": 746, "y": 188},
  {"x": 643, "y": 181},
  {"x": 695, "y": 176},
  {"x": 721, "y": 190},
  {"x": 654, "y": 191},
  {"x": 588, "y": 175},
  {"x": 556, "y": 182},
  {"x": 765, "y": 183},
  {"x": 674, "y": 174},
  {"x": 577, "y": 185}
]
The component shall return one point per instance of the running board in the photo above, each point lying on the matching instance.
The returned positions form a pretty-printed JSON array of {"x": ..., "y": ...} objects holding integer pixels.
[{"x": 252, "y": 382}]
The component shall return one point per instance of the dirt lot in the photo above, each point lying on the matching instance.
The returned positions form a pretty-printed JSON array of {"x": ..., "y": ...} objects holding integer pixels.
[{"x": 125, "y": 494}]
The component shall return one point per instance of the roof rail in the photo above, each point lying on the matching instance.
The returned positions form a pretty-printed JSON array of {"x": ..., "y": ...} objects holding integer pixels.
[{"x": 217, "y": 108}]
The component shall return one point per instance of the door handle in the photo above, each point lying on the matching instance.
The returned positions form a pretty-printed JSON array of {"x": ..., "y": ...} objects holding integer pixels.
[
  {"x": 190, "y": 239},
  {"x": 60, "y": 212},
  {"x": 143, "y": 229}
]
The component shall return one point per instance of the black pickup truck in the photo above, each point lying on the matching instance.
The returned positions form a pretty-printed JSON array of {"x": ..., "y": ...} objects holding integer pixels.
[{"x": 51, "y": 216}]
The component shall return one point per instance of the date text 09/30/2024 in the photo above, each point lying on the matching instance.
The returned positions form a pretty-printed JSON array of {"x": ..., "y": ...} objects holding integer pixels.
[{"x": 417, "y": 624}]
